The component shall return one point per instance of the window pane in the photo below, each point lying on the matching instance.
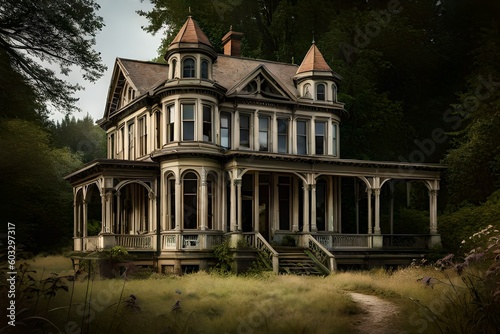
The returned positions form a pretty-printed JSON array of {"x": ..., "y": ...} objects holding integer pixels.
[
  {"x": 245, "y": 131},
  {"x": 282, "y": 135},
  {"x": 225, "y": 130},
  {"x": 320, "y": 92},
  {"x": 263, "y": 133},
  {"x": 190, "y": 201},
  {"x": 204, "y": 69},
  {"x": 188, "y": 68},
  {"x": 207, "y": 123},
  {"x": 320, "y": 137},
  {"x": 301, "y": 137},
  {"x": 188, "y": 130},
  {"x": 188, "y": 112}
]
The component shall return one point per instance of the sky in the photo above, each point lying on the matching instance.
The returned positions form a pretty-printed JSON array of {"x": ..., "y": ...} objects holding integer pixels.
[{"x": 121, "y": 37}]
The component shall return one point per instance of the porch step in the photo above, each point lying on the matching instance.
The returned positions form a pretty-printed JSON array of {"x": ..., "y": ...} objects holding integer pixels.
[{"x": 293, "y": 260}]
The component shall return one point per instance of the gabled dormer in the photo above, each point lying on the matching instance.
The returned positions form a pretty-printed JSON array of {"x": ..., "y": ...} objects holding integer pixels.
[
  {"x": 190, "y": 55},
  {"x": 315, "y": 79},
  {"x": 261, "y": 84}
]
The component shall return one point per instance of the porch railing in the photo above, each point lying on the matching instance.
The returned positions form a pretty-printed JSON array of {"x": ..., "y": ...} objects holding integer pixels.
[
  {"x": 188, "y": 240},
  {"x": 321, "y": 254},
  {"x": 401, "y": 241},
  {"x": 135, "y": 242},
  {"x": 269, "y": 253}
]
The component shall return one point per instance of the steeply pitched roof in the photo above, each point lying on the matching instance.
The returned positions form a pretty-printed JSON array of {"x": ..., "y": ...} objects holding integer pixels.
[
  {"x": 191, "y": 33},
  {"x": 314, "y": 61},
  {"x": 144, "y": 75},
  {"x": 229, "y": 71}
]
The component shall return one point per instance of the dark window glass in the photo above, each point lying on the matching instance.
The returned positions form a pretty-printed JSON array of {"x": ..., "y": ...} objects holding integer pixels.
[
  {"x": 263, "y": 133},
  {"x": 244, "y": 130},
  {"x": 225, "y": 130},
  {"x": 188, "y": 122},
  {"x": 207, "y": 123},
  {"x": 190, "y": 201},
  {"x": 301, "y": 137},
  {"x": 188, "y": 68},
  {"x": 320, "y": 92},
  {"x": 282, "y": 135},
  {"x": 204, "y": 69},
  {"x": 320, "y": 137}
]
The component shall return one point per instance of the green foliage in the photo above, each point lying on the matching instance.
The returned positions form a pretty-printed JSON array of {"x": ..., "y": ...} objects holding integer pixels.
[
  {"x": 116, "y": 254},
  {"x": 224, "y": 256},
  {"x": 93, "y": 227},
  {"x": 37, "y": 198},
  {"x": 81, "y": 136},
  {"x": 57, "y": 33},
  {"x": 456, "y": 227}
]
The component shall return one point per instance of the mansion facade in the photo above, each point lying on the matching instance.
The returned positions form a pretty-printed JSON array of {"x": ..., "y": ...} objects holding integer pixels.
[{"x": 212, "y": 146}]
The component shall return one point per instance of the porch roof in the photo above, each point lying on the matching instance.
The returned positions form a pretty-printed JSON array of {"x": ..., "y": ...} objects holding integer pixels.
[{"x": 97, "y": 166}]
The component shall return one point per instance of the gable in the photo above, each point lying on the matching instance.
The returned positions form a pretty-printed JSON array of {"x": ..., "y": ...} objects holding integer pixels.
[
  {"x": 132, "y": 79},
  {"x": 261, "y": 83}
]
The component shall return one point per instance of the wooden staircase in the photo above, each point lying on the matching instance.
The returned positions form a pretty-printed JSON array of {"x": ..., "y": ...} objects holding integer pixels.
[{"x": 294, "y": 260}]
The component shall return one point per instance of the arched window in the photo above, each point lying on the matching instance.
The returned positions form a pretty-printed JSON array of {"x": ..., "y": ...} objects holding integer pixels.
[
  {"x": 171, "y": 202},
  {"x": 190, "y": 205},
  {"x": 334, "y": 92},
  {"x": 320, "y": 92},
  {"x": 307, "y": 91},
  {"x": 210, "y": 201},
  {"x": 204, "y": 69},
  {"x": 174, "y": 68},
  {"x": 188, "y": 68}
]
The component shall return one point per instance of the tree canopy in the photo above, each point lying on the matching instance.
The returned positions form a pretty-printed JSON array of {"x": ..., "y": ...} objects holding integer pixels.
[{"x": 36, "y": 36}]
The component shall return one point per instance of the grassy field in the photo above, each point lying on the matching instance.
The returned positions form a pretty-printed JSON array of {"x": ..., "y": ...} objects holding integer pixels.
[{"x": 214, "y": 303}]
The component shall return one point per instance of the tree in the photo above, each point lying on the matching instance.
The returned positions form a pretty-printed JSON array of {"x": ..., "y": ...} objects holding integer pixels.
[
  {"x": 35, "y": 197},
  {"x": 81, "y": 136},
  {"x": 35, "y": 35}
]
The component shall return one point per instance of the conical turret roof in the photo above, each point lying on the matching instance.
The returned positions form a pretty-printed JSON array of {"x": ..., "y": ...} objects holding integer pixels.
[
  {"x": 190, "y": 36},
  {"x": 314, "y": 61}
]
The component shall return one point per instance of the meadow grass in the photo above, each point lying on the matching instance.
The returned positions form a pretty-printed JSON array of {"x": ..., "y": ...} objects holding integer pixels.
[{"x": 215, "y": 303}]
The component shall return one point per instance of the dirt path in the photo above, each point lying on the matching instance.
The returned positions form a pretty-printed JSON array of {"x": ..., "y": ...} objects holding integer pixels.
[{"x": 376, "y": 315}]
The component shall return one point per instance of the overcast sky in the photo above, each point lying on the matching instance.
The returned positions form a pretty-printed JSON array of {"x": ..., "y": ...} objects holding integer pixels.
[{"x": 121, "y": 37}]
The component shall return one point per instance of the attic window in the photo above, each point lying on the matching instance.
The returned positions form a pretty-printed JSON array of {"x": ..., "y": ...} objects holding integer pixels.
[
  {"x": 204, "y": 69},
  {"x": 320, "y": 92},
  {"x": 251, "y": 88}
]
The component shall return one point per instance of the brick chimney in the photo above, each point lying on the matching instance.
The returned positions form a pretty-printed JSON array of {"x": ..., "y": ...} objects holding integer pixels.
[{"x": 232, "y": 43}]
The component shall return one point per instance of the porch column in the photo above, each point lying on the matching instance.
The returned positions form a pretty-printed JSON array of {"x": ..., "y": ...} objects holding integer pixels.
[
  {"x": 329, "y": 200},
  {"x": 178, "y": 203},
  {"x": 118, "y": 227},
  {"x": 76, "y": 217},
  {"x": 339, "y": 203},
  {"x": 305, "y": 188},
  {"x": 369, "y": 192},
  {"x": 391, "y": 207},
  {"x": 85, "y": 213},
  {"x": 256, "y": 216},
  {"x": 356, "y": 203},
  {"x": 203, "y": 201},
  {"x": 377, "y": 210},
  {"x": 238, "y": 189},
  {"x": 232, "y": 212},
  {"x": 109, "y": 212},
  {"x": 152, "y": 211},
  {"x": 103, "y": 211},
  {"x": 295, "y": 205},
  {"x": 313, "y": 208},
  {"x": 433, "y": 211}
]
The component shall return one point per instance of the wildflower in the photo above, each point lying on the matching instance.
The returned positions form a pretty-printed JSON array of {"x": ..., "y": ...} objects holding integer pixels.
[{"x": 463, "y": 241}]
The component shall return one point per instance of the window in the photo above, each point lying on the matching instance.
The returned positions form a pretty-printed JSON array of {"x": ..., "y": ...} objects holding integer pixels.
[
  {"x": 204, "y": 69},
  {"x": 320, "y": 92},
  {"x": 171, "y": 201},
  {"x": 282, "y": 135},
  {"x": 131, "y": 141},
  {"x": 112, "y": 146},
  {"x": 264, "y": 133},
  {"x": 190, "y": 185},
  {"x": 188, "y": 69},
  {"x": 321, "y": 201},
  {"x": 320, "y": 137},
  {"x": 334, "y": 139},
  {"x": 334, "y": 93},
  {"x": 210, "y": 200},
  {"x": 307, "y": 91},
  {"x": 245, "y": 131},
  {"x": 174, "y": 68},
  {"x": 121, "y": 143},
  {"x": 170, "y": 123},
  {"x": 158, "y": 127},
  {"x": 143, "y": 136},
  {"x": 188, "y": 122},
  {"x": 207, "y": 123},
  {"x": 225, "y": 130},
  {"x": 301, "y": 137}
]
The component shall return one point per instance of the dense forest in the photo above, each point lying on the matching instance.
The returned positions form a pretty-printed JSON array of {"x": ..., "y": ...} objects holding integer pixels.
[{"x": 421, "y": 83}]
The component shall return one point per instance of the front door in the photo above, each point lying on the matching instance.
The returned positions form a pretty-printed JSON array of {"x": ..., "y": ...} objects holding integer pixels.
[{"x": 264, "y": 197}]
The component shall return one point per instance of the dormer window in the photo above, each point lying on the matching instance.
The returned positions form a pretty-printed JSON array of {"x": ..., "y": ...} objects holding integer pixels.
[
  {"x": 188, "y": 68},
  {"x": 204, "y": 69},
  {"x": 320, "y": 92}
]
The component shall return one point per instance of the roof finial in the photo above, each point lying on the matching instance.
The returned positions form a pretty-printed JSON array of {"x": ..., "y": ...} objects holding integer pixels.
[
  {"x": 189, "y": 8},
  {"x": 231, "y": 28},
  {"x": 314, "y": 42}
]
